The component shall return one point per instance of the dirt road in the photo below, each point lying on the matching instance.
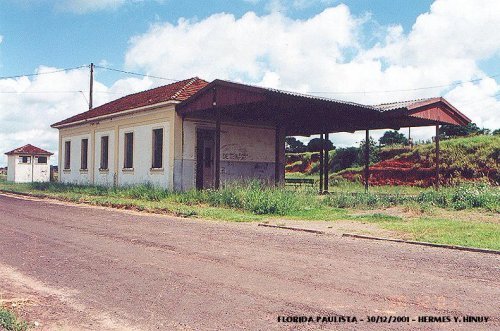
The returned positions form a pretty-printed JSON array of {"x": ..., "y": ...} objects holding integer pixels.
[{"x": 95, "y": 268}]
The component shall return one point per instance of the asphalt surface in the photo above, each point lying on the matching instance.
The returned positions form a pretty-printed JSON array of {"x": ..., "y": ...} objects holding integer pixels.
[{"x": 152, "y": 272}]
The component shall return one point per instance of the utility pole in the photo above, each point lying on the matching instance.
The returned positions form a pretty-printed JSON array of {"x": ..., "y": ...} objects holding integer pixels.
[
  {"x": 367, "y": 160},
  {"x": 437, "y": 157},
  {"x": 91, "y": 92}
]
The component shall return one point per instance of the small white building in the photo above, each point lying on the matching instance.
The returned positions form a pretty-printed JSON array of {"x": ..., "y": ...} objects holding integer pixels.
[{"x": 28, "y": 164}]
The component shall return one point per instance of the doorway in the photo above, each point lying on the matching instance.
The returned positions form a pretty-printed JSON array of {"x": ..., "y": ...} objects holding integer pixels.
[{"x": 205, "y": 153}]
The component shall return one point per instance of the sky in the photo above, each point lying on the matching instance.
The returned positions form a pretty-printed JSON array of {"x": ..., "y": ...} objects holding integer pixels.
[{"x": 363, "y": 51}]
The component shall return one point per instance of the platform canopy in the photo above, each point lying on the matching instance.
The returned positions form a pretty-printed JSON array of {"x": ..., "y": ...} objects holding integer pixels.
[{"x": 305, "y": 115}]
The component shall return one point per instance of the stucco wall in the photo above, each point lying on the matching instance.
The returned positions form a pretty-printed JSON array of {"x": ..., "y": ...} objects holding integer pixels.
[
  {"x": 41, "y": 172},
  {"x": 141, "y": 123},
  {"x": 246, "y": 152},
  {"x": 11, "y": 168},
  {"x": 23, "y": 172},
  {"x": 104, "y": 177},
  {"x": 27, "y": 172},
  {"x": 142, "y": 172},
  {"x": 75, "y": 174}
]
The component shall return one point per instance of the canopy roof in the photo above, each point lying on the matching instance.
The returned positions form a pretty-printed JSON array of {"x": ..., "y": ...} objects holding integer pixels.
[{"x": 304, "y": 114}]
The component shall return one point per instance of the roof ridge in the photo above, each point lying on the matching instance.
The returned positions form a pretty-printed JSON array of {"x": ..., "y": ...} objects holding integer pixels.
[
  {"x": 32, "y": 150},
  {"x": 298, "y": 94},
  {"x": 189, "y": 83},
  {"x": 143, "y": 91},
  {"x": 411, "y": 100}
]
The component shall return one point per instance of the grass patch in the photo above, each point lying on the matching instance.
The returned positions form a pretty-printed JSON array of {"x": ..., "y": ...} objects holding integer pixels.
[
  {"x": 10, "y": 322},
  {"x": 442, "y": 231},
  {"x": 432, "y": 214}
]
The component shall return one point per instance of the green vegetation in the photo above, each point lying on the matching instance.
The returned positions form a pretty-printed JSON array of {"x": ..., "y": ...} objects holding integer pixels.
[
  {"x": 468, "y": 157},
  {"x": 441, "y": 230},
  {"x": 446, "y": 216},
  {"x": 465, "y": 196},
  {"x": 293, "y": 145},
  {"x": 10, "y": 322},
  {"x": 451, "y": 131},
  {"x": 393, "y": 137},
  {"x": 464, "y": 158}
]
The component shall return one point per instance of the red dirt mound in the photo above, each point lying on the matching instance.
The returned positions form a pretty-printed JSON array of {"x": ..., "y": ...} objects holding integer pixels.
[{"x": 404, "y": 171}]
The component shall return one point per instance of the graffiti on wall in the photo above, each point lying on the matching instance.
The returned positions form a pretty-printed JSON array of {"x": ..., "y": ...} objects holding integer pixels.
[{"x": 233, "y": 152}]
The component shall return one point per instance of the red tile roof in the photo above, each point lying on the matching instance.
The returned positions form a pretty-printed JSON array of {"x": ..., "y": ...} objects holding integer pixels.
[
  {"x": 30, "y": 150},
  {"x": 178, "y": 91}
]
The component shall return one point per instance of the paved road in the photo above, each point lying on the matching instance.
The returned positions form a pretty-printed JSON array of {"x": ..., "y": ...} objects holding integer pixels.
[{"x": 155, "y": 272}]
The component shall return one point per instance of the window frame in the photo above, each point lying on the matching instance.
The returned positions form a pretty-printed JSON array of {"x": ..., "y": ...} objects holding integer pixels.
[
  {"x": 154, "y": 149},
  {"x": 21, "y": 159},
  {"x": 84, "y": 154},
  {"x": 126, "y": 158},
  {"x": 104, "y": 152},
  {"x": 67, "y": 155},
  {"x": 43, "y": 157}
]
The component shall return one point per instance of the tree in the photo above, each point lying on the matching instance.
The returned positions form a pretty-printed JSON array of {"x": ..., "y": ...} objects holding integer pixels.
[
  {"x": 496, "y": 132},
  {"x": 293, "y": 145},
  {"x": 344, "y": 158},
  {"x": 373, "y": 151},
  {"x": 314, "y": 145},
  {"x": 392, "y": 138},
  {"x": 449, "y": 131}
]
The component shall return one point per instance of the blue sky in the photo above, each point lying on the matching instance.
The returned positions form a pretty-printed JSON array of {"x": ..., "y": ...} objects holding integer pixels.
[
  {"x": 377, "y": 48},
  {"x": 45, "y": 33}
]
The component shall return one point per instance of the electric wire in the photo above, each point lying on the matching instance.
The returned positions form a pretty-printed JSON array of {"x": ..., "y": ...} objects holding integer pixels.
[
  {"x": 408, "y": 90},
  {"x": 136, "y": 73},
  {"x": 43, "y": 73},
  {"x": 176, "y": 80}
]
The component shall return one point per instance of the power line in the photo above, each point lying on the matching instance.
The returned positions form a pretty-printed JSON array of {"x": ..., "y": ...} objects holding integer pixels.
[
  {"x": 176, "y": 80},
  {"x": 137, "y": 74},
  {"x": 79, "y": 91},
  {"x": 43, "y": 73},
  {"x": 407, "y": 90},
  {"x": 36, "y": 92}
]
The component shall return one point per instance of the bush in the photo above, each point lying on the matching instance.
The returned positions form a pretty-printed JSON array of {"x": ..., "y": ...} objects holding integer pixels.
[
  {"x": 251, "y": 196},
  {"x": 370, "y": 200},
  {"x": 147, "y": 192},
  {"x": 9, "y": 321},
  {"x": 465, "y": 196},
  {"x": 259, "y": 198},
  {"x": 475, "y": 196}
]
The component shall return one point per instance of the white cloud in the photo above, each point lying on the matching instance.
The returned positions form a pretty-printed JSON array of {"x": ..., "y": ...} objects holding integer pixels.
[
  {"x": 222, "y": 46},
  {"x": 28, "y": 106},
  {"x": 85, "y": 6},
  {"x": 326, "y": 53}
]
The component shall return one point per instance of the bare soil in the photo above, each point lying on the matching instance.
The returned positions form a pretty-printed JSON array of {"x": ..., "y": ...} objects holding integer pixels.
[{"x": 76, "y": 267}]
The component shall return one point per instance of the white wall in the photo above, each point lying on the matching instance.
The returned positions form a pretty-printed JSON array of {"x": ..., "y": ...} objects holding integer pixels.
[
  {"x": 143, "y": 154},
  {"x": 246, "y": 152},
  {"x": 23, "y": 171},
  {"x": 11, "y": 167},
  {"x": 238, "y": 143},
  {"x": 102, "y": 177},
  {"x": 27, "y": 172},
  {"x": 41, "y": 172},
  {"x": 74, "y": 175}
]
